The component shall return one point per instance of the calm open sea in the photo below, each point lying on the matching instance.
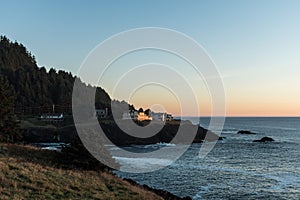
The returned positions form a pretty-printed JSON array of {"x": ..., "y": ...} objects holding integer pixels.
[{"x": 236, "y": 168}]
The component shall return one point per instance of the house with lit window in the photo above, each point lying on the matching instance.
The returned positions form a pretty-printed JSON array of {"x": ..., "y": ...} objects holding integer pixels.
[{"x": 142, "y": 117}]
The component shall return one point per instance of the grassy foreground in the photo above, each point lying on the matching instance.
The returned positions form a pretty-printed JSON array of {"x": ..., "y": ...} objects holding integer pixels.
[{"x": 30, "y": 173}]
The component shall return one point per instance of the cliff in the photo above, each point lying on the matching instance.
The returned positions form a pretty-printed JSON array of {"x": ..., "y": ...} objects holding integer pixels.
[{"x": 117, "y": 136}]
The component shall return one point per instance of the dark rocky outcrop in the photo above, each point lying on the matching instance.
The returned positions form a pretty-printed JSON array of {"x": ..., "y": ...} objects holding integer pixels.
[
  {"x": 165, "y": 135},
  {"x": 120, "y": 138},
  {"x": 221, "y": 138},
  {"x": 246, "y": 132},
  {"x": 265, "y": 139}
]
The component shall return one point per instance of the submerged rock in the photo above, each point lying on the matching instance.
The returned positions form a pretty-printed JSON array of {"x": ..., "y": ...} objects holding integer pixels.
[
  {"x": 246, "y": 132},
  {"x": 265, "y": 139},
  {"x": 221, "y": 138}
]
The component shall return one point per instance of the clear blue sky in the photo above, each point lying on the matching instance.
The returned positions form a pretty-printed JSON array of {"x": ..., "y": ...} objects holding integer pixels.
[{"x": 255, "y": 43}]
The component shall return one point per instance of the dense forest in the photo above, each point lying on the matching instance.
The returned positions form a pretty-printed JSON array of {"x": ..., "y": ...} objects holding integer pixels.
[{"x": 36, "y": 90}]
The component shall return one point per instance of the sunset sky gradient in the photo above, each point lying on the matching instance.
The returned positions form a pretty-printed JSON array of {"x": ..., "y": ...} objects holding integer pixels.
[{"x": 255, "y": 44}]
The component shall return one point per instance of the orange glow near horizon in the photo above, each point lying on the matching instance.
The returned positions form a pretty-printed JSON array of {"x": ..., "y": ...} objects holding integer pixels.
[
  {"x": 233, "y": 108},
  {"x": 263, "y": 109}
]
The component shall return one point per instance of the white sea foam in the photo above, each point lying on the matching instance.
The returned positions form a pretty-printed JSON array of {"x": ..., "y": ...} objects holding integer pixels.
[
  {"x": 142, "y": 163},
  {"x": 159, "y": 145},
  {"x": 51, "y": 148},
  {"x": 114, "y": 148}
]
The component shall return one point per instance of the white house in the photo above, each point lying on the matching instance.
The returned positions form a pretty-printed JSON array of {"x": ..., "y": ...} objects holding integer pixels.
[
  {"x": 54, "y": 117},
  {"x": 159, "y": 116}
]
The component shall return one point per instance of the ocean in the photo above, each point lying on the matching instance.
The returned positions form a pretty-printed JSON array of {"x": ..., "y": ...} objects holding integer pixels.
[{"x": 236, "y": 168}]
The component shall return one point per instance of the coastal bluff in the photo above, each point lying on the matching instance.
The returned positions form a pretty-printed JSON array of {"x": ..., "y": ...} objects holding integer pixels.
[{"x": 117, "y": 136}]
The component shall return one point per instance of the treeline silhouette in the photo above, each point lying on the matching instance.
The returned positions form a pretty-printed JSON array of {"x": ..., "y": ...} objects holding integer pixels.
[{"x": 36, "y": 90}]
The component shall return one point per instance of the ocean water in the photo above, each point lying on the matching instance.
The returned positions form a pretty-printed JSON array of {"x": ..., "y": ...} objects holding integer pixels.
[{"x": 236, "y": 168}]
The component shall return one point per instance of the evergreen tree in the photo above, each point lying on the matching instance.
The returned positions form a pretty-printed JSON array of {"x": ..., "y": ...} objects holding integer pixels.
[
  {"x": 147, "y": 112},
  {"x": 8, "y": 125},
  {"x": 141, "y": 110}
]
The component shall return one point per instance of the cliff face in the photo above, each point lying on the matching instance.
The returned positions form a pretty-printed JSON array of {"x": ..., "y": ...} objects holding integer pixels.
[{"x": 118, "y": 137}]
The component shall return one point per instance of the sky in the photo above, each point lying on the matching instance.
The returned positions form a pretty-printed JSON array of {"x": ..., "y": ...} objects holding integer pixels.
[{"x": 255, "y": 45}]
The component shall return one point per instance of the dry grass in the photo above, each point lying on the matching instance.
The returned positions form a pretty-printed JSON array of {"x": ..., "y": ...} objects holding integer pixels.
[{"x": 28, "y": 173}]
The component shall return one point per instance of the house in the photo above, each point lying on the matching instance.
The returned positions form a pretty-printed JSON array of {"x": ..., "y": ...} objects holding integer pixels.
[
  {"x": 52, "y": 117},
  {"x": 132, "y": 114},
  {"x": 169, "y": 117},
  {"x": 159, "y": 116},
  {"x": 101, "y": 113},
  {"x": 142, "y": 117}
]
